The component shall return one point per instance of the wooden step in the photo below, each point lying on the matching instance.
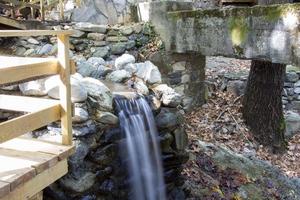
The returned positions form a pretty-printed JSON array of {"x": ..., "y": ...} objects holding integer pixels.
[{"x": 23, "y": 160}]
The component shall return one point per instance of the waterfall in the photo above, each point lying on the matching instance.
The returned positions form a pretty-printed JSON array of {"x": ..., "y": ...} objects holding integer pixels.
[{"x": 142, "y": 145}]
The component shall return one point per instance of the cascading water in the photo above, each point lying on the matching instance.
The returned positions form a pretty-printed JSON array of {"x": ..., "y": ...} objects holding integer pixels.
[{"x": 144, "y": 162}]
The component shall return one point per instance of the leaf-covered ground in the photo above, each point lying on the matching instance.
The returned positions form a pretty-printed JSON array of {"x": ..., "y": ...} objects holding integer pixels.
[{"x": 220, "y": 122}]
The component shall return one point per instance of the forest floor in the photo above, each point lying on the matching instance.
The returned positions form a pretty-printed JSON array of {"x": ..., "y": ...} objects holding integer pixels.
[{"x": 220, "y": 122}]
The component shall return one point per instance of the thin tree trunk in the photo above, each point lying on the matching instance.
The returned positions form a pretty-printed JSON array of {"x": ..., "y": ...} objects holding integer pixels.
[{"x": 262, "y": 104}]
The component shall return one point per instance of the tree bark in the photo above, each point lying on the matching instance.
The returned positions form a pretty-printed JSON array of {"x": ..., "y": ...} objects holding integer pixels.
[{"x": 262, "y": 104}]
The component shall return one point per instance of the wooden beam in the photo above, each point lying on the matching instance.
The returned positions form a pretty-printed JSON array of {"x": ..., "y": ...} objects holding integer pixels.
[
  {"x": 21, "y": 33},
  {"x": 12, "y": 73},
  {"x": 42, "y": 10},
  {"x": 4, "y": 189},
  {"x": 38, "y": 196},
  {"x": 25, "y": 104},
  {"x": 39, "y": 182},
  {"x": 65, "y": 88},
  {"x": 18, "y": 126},
  {"x": 12, "y": 23},
  {"x": 61, "y": 10}
]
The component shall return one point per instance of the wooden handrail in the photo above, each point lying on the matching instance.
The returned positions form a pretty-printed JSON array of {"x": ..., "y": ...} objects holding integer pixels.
[
  {"x": 49, "y": 110},
  {"x": 20, "y": 33}
]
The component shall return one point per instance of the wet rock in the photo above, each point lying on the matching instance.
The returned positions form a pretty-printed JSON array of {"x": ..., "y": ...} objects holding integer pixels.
[
  {"x": 181, "y": 138},
  {"x": 20, "y": 51},
  {"x": 292, "y": 121},
  {"x": 124, "y": 60},
  {"x": 148, "y": 72},
  {"x": 96, "y": 36},
  {"x": 100, "y": 97},
  {"x": 111, "y": 135},
  {"x": 81, "y": 151},
  {"x": 107, "y": 186},
  {"x": 166, "y": 140},
  {"x": 33, "y": 88},
  {"x": 118, "y": 76},
  {"x": 168, "y": 120},
  {"x": 106, "y": 118},
  {"x": 78, "y": 92},
  {"x": 154, "y": 103},
  {"x": 104, "y": 156},
  {"x": 80, "y": 115},
  {"x": 85, "y": 182}
]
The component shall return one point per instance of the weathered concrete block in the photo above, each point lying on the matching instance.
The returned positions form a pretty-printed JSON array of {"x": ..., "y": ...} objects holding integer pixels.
[{"x": 259, "y": 32}]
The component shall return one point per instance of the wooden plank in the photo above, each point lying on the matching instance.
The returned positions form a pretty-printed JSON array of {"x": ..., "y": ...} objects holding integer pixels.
[
  {"x": 25, "y": 104},
  {"x": 13, "y": 128},
  {"x": 39, "y": 182},
  {"x": 35, "y": 145},
  {"x": 4, "y": 189},
  {"x": 11, "y": 71},
  {"x": 20, "y": 33},
  {"x": 15, "y": 171},
  {"x": 65, "y": 88},
  {"x": 12, "y": 23},
  {"x": 38, "y": 196},
  {"x": 39, "y": 161}
]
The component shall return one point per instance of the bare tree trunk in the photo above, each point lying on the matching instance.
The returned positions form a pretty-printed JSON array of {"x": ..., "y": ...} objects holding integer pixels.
[{"x": 262, "y": 104}]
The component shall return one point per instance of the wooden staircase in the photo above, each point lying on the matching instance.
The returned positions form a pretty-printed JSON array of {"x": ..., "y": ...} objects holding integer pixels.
[{"x": 29, "y": 165}]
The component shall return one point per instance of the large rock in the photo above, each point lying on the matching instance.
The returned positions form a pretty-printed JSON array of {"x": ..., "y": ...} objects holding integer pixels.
[
  {"x": 80, "y": 115},
  {"x": 118, "y": 76},
  {"x": 106, "y": 118},
  {"x": 100, "y": 52},
  {"x": 124, "y": 60},
  {"x": 96, "y": 36},
  {"x": 33, "y": 88},
  {"x": 168, "y": 119},
  {"x": 167, "y": 95},
  {"x": 78, "y": 92},
  {"x": 92, "y": 68},
  {"x": 85, "y": 182},
  {"x": 89, "y": 27},
  {"x": 148, "y": 72},
  {"x": 292, "y": 121},
  {"x": 100, "y": 96},
  {"x": 239, "y": 176}
]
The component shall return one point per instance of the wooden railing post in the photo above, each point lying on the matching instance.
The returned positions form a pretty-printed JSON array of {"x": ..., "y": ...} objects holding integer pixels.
[
  {"x": 42, "y": 10},
  {"x": 61, "y": 9},
  {"x": 65, "y": 88}
]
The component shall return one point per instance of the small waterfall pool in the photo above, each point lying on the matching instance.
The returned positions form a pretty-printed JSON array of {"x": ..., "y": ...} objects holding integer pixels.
[{"x": 142, "y": 145}]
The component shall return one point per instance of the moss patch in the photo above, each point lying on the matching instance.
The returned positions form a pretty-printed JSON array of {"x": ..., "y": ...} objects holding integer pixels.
[{"x": 238, "y": 30}]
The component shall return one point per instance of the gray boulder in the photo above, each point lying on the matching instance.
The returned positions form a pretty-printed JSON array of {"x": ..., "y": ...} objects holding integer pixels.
[
  {"x": 100, "y": 97},
  {"x": 106, "y": 118},
  {"x": 148, "y": 72},
  {"x": 124, "y": 60},
  {"x": 78, "y": 92},
  {"x": 118, "y": 76},
  {"x": 292, "y": 121},
  {"x": 33, "y": 88}
]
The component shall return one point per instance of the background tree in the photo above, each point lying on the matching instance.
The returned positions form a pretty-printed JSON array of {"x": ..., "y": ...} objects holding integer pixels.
[{"x": 262, "y": 104}]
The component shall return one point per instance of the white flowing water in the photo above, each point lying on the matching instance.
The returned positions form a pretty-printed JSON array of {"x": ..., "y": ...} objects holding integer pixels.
[{"x": 144, "y": 162}]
